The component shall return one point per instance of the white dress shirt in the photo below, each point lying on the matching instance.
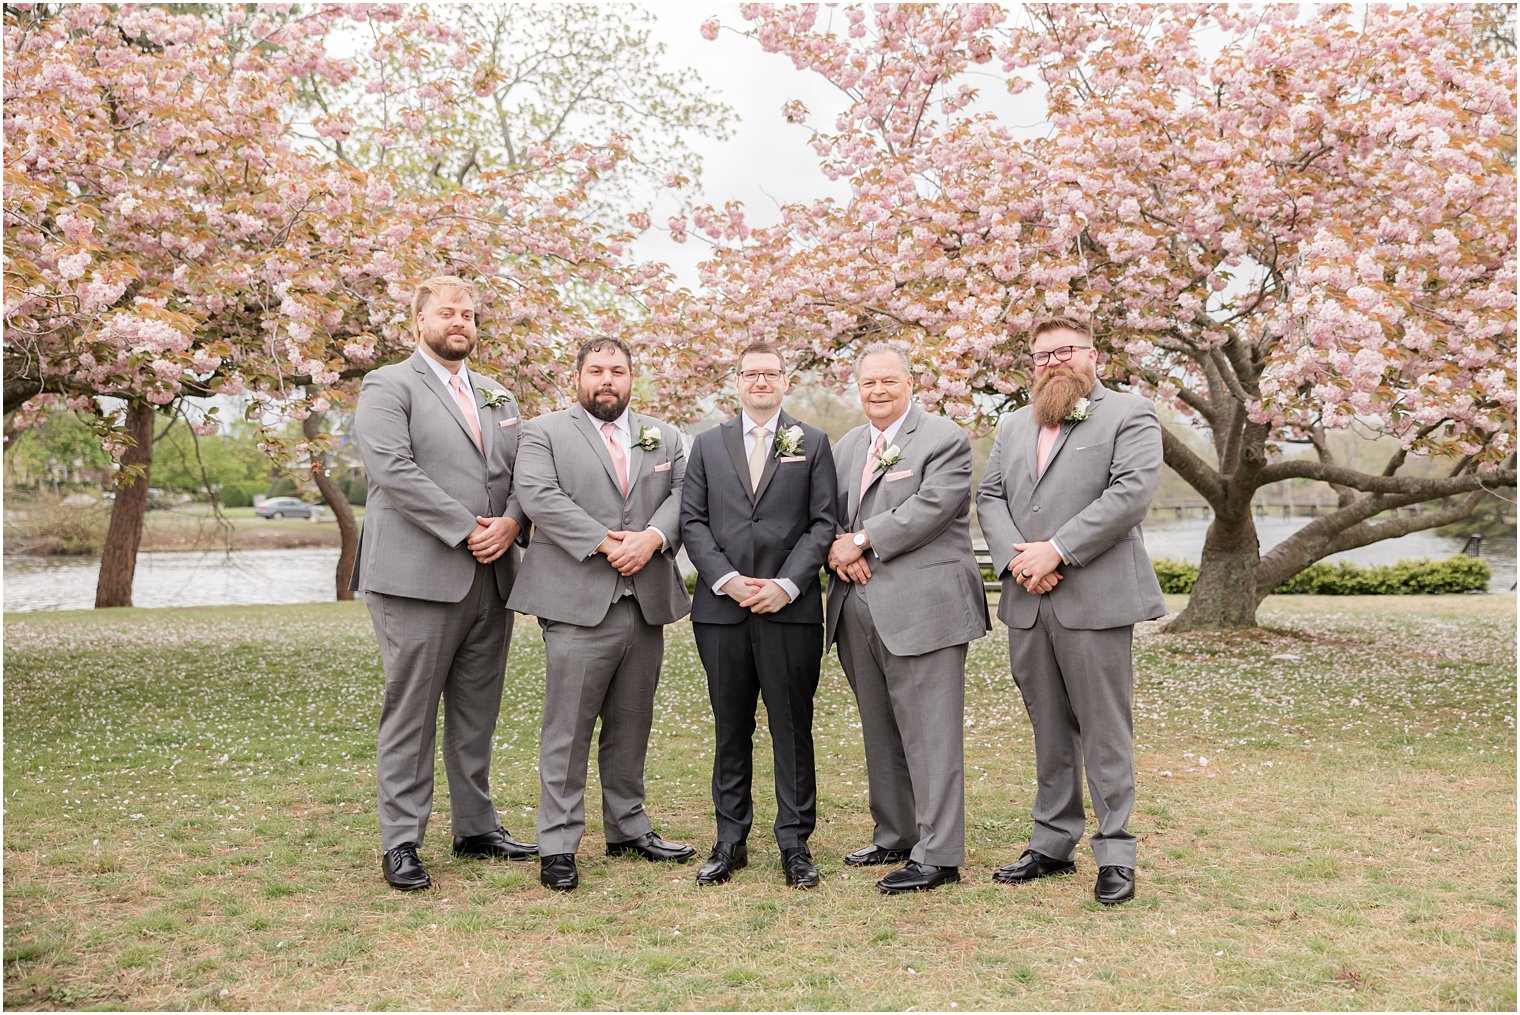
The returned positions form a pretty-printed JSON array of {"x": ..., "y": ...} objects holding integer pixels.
[
  {"x": 623, "y": 434},
  {"x": 445, "y": 375},
  {"x": 787, "y": 585}
]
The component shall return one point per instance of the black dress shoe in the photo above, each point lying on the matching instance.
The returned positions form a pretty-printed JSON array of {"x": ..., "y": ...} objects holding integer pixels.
[
  {"x": 557, "y": 871},
  {"x": 1115, "y": 885},
  {"x": 497, "y": 844},
  {"x": 651, "y": 847},
  {"x": 874, "y": 856},
  {"x": 918, "y": 877},
  {"x": 797, "y": 864},
  {"x": 726, "y": 858},
  {"x": 403, "y": 871},
  {"x": 1031, "y": 866}
]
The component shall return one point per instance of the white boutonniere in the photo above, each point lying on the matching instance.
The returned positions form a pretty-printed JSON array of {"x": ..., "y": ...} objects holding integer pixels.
[
  {"x": 649, "y": 438},
  {"x": 789, "y": 442},
  {"x": 495, "y": 397},
  {"x": 889, "y": 457},
  {"x": 1082, "y": 410}
]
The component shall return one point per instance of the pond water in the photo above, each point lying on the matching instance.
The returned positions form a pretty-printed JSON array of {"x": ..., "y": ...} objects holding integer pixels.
[{"x": 219, "y": 578}]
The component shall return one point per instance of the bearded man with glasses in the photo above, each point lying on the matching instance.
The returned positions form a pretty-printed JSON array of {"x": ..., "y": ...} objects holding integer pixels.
[{"x": 1070, "y": 479}]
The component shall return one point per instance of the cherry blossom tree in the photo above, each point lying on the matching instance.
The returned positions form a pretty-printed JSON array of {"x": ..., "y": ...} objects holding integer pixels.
[
  {"x": 169, "y": 234},
  {"x": 1283, "y": 222}
]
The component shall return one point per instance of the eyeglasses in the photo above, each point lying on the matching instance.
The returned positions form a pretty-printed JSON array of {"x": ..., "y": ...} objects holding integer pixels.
[
  {"x": 1061, "y": 355},
  {"x": 751, "y": 376}
]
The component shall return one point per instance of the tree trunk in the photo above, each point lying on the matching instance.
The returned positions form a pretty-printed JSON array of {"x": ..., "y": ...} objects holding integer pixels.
[
  {"x": 1225, "y": 595},
  {"x": 343, "y": 511},
  {"x": 118, "y": 561}
]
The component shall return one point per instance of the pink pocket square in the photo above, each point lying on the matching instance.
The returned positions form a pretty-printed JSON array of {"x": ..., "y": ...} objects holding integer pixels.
[
  {"x": 792, "y": 458},
  {"x": 663, "y": 467},
  {"x": 506, "y": 422},
  {"x": 904, "y": 474}
]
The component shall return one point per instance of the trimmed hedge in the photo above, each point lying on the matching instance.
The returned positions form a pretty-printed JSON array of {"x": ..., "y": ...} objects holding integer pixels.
[
  {"x": 1406, "y": 578},
  {"x": 237, "y": 494}
]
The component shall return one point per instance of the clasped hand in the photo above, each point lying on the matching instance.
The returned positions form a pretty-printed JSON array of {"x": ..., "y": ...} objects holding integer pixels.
[
  {"x": 491, "y": 537},
  {"x": 848, "y": 560},
  {"x": 758, "y": 595},
  {"x": 1034, "y": 566},
  {"x": 629, "y": 551}
]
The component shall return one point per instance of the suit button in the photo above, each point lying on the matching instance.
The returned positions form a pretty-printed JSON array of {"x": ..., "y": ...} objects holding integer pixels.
[{"x": 1035, "y": 508}]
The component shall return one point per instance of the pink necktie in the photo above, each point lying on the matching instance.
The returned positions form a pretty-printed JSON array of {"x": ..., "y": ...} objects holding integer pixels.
[
  {"x": 619, "y": 459},
  {"x": 1048, "y": 435},
  {"x": 872, "y": 461},
  {"x": 467, "y": 408}
]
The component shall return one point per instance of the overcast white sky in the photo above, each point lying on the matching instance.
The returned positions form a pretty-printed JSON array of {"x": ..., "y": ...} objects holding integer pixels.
[{"x": 767, "y": 162}]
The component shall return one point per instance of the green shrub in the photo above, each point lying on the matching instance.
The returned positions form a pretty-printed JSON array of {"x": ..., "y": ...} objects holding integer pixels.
[
  {"x": 236, "y": 494},
  {"x": 1406, "y": 578},
  {"x": 1176, "y": 576},
  {"x": 357, "y": 489}
]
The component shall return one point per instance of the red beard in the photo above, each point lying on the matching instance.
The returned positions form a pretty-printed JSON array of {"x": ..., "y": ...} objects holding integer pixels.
[{"x": 1056, "y": 393}]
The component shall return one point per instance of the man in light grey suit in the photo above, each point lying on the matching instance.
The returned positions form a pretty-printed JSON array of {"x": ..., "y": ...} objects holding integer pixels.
[
  {"x": 602, "y": 485},
  {"x": 1071, "y": 477},
  {"x": 906, "y": 601},
  {"x": 436, "y": 564}
]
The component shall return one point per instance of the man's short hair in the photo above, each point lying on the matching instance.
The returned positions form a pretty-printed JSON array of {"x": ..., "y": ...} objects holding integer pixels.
[
  {"x": 432, "y": 287},
  {"x": 1061, "y": 324},
  {"x": 601, "y": 344},
  {"x": 759, "y": 348},
  {"x": 873, "y": 348}
]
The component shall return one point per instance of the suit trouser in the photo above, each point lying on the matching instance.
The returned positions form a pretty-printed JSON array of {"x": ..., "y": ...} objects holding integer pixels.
[
  {"x": 912, "y": 712},
  {"x": 760, "y": 657},
  {"x": 1077, "y": 689},
  {"x": 610, "y": 672},
  {"x": 456, "y": 651}
]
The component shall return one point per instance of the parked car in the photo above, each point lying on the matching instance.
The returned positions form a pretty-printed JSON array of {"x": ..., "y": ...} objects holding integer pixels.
[{"x": 283, "y": 507}]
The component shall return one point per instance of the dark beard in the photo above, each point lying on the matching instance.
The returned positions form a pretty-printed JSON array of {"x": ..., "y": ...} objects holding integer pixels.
[
  {"x": 604, "y": 412},
  {"x": 445, "y": 353},
  {"x": 1056, "y": 393}
]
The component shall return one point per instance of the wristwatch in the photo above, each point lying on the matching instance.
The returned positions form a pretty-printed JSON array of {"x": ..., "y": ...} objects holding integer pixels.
[{"x": 860, "y": 539}]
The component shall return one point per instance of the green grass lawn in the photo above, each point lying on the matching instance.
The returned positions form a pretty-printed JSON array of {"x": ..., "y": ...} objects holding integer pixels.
[{"x": 1326, "y": 816}]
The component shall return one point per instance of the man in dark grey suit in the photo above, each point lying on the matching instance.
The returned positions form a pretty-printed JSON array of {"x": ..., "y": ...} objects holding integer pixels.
[
  {"x": 907, "y": 601},
  {"x": 436, "y": 564},
  {"x": 1071, "y": 477},
  {"x": 757, "y": 518},
  {"x": 602, "y": 485}
]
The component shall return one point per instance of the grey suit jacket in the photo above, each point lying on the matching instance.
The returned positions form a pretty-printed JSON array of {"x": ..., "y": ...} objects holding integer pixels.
[
  {"x": 428, "y": 481},
  {"x": 925, "y": 591},
  {"x": 568, "y": 486},
  {"x": 1096, "y": 488}
]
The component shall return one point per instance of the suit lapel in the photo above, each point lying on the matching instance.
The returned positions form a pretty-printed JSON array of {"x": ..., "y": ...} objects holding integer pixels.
[
  {"x": 733, "y": 440},
  {"x": 592, "y": 432},
  {"x": 443, "y": 394},
  {"x": 1066, "y": 428},
  {"x": 636, "y": 454},
  {"x": 901, "y": 440},
  {"x": 487, "y": 422},
  {"x": 771, "y": 463}
]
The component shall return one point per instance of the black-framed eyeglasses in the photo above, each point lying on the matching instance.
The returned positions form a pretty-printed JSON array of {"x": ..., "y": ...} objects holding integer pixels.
[
  {"x": 1061, "y": 355},
  {"x": 751, "y": 376}
]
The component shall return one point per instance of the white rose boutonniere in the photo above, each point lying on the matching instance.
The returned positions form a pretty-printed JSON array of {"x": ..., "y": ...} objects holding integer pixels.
[
  {"x": 1082, "y": 410},
  {"x": 649, "y": 438},
  {"x": 495, "y": 398},
  {"x": 889, "y": 457},
  {"x": 789, "y": 442}
]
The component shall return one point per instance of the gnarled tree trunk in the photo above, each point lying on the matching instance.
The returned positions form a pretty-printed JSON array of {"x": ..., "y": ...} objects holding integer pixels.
[
  {"x": 343, "y": 511},
  {"x": 118, "y": 561}
]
